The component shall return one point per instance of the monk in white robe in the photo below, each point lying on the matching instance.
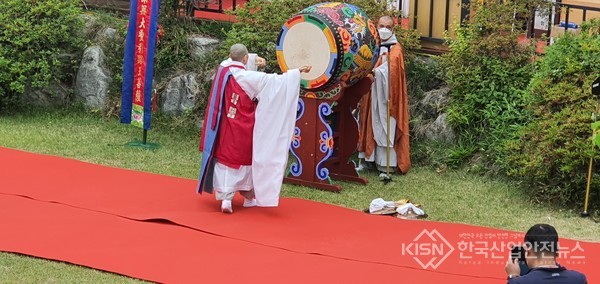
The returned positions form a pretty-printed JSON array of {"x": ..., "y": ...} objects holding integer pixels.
[{"x": 247, "y": 130}]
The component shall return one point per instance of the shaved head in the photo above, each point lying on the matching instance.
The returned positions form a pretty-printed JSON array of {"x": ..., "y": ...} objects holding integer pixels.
[
  {"x": 237, "y": 52},
  {"x": 386, "y": 22}
]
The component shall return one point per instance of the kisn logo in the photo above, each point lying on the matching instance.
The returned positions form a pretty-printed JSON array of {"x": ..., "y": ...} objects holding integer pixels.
[{"x": 429, "y": 249}]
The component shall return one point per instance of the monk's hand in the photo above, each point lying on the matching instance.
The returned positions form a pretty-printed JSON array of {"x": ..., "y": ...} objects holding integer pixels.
[
  {"x": 305, "y": 69},
  {"x": 260, "y": 62}
]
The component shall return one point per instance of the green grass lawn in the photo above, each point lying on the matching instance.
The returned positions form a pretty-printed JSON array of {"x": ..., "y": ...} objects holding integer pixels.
[{"x": 451, "y": 196}]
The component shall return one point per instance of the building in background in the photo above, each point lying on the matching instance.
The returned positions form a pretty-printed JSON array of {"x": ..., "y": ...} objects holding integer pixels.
[{"x": 432, "y": 18}]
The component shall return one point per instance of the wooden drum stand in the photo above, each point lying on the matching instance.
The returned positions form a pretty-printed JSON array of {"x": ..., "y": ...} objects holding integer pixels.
[{"x": 326, "y": 136}]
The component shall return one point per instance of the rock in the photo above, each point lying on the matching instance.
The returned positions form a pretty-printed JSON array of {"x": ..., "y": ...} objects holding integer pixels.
[
  {"x": 52, "y": 96},
  {"x": 180, "y": 94},
  {"x": 440, "y": 130},
  {"x": 434, "y": 102},
  {"x": 428, "y": 120},
  {"x": 200, "y": 46},
  {"x": 432, "y": 67},
  {"x": 90, "y": 25},
  {"x": 96, "y": 31},
  {"x": 106, "y": 34},
  {"x": 93, "y": 78}
]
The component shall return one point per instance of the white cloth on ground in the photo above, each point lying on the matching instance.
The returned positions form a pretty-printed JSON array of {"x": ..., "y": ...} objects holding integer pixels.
[
  {"x": 404, "y": 208},
  {"x": 379, "y": 204}
]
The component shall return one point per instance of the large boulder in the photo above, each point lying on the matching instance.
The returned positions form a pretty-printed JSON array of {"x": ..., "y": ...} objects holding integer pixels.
[
  {"x": 439, "y": 130},
  {"x": 93, "y": 78},
  {"x": 428, "y": 117},
  {"x": 199, "y": 46},
  {"x": 434, "y": 102},
  {"x": 180, "y": 94}
]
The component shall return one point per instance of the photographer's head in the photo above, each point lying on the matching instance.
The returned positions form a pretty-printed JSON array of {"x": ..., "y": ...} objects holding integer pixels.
[
  {"x": 541, "y": 250},
  {"x": 541, "y": 242}
]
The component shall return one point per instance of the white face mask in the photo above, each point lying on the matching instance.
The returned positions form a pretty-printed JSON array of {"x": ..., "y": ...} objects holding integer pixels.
[{"x": 385, "y": 34}]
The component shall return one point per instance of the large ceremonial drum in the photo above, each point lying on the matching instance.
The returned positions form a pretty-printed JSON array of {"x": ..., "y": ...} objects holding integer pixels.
[{"x": 338, "y": 40}]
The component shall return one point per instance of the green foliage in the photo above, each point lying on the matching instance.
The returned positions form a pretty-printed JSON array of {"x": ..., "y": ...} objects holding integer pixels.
[
  {"x": 595, "y": 128},
  {"x": 173, "y": 53},
  {"x": 260, "y": 21},
  {"x": 410, "y": 39},
  {"x": 33, "y": 36},
  {"x": 488, "y": 71},
  {"x": 422, "y": 74},
  {"x": 553, "y": 151}
]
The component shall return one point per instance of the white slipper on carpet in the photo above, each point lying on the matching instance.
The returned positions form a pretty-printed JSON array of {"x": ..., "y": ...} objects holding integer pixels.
[
  {"x": 226, "y": 206},
  {"x": 249, "y": 202}
]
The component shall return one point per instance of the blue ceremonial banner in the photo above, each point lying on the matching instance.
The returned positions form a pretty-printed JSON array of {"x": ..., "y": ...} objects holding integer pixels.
[{"x": 138, "y": 63}]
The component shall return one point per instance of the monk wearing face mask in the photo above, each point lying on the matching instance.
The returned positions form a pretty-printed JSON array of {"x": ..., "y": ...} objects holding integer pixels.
[{"x": 389, "y": 87}]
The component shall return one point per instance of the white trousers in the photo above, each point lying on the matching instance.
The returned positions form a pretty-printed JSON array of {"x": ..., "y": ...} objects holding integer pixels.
[{"x": 227, "y": 181}]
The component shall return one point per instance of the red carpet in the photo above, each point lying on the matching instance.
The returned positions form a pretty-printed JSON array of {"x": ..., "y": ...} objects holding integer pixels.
[
  {"x": 171, "y": 254},
  {"x": 298, "y": 236}
]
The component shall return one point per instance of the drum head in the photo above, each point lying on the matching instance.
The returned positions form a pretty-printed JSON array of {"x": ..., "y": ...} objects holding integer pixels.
[
  {"x": 306, "y": 44},
  {"x": 309, "y": 40}
]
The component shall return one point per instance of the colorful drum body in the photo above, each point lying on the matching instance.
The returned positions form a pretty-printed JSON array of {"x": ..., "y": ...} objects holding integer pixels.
[{"x": 338, "y": 40}]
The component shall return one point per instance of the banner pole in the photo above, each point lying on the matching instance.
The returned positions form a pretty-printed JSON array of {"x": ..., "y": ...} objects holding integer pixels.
[
  {"x": 144, "y": 143},
  {"x": 143, "y": 34}
]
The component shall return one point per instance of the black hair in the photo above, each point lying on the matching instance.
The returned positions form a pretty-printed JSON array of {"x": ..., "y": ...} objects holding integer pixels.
[{"x": 542, "y": 239}]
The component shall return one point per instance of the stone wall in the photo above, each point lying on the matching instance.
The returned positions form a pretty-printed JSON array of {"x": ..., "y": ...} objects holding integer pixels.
[{"x": 177, "y": 93}]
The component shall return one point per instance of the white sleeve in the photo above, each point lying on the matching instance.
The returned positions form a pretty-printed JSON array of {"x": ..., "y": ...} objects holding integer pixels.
[
  {"x": 251, "y": 65},
  {"x": 275, "y": 119},
  {"x": 254, "y": 82}
]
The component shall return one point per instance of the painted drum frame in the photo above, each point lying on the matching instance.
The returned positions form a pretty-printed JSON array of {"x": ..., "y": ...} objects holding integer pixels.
[{"x": 353, "y": 43}]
